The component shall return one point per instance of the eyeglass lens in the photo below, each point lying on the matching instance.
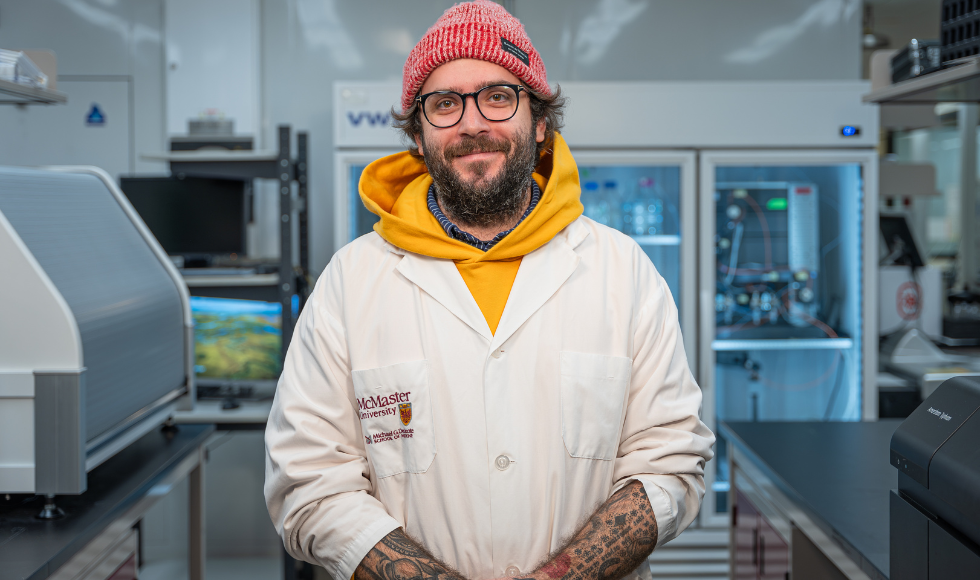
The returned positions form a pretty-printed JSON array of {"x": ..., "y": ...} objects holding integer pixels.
[{"x": 495, "y": 103}]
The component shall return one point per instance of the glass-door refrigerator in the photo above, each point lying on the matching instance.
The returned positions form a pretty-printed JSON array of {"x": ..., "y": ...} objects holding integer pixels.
[
  {"x": 649, "y": 196},
  {"x": 785, "y": 268},
  {"x": 352, "y": 219}
]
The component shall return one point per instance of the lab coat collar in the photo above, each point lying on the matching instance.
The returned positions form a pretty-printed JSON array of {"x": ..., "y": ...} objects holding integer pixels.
[
  {"x": 541, "y": 274},
  {"x": 440, "y": 279}
]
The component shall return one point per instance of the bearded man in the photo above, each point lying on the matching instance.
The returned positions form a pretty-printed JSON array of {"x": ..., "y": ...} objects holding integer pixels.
[{"x": 489, "y": 384}]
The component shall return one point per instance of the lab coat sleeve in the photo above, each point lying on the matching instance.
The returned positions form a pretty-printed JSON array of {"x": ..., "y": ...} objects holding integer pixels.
[
  {"x": 664, "y": 443},
  {"x": 317, "y": 485}
]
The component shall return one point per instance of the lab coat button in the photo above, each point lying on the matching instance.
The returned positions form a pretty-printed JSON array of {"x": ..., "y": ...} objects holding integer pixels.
[
  {"x": 497, "y": 353},
  {"x": 512, "y": 571},
  {"x": 502, "y": 462}
]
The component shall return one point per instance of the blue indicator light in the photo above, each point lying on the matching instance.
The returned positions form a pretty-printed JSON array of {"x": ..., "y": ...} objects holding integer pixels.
[{"x": 850, "y": 131}]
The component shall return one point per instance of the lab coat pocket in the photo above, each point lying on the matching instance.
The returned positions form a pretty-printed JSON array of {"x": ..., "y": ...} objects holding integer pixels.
[
  {"x": 396, "y": 417},
  {"x": 593, "y": 392}
]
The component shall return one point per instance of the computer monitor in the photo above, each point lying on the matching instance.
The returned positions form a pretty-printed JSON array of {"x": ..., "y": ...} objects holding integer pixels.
[
  {"x": 236, "y": 341},
  {"x": 191, "y": 217},
  {"x": 898, "y": 240}
]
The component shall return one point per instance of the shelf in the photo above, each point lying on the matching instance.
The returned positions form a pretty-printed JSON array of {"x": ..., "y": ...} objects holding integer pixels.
[
  {"x": 206, "y": 155},
  {"x": 250, "y": 412},
  {"x": 218, "y": 163},
  {"x": 230, "y": 280},
  {"x": 956, "y": 84},
  {"x": 657, "y": 240},
  {"x": 16, "y": 94},
  {"x": 727, "y": 344}
]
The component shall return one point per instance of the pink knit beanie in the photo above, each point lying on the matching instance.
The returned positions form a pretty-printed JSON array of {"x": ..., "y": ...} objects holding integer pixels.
[{"x": 482, "y": 30}]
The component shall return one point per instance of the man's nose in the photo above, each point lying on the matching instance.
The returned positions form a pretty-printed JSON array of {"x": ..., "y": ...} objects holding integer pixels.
[{"x": 473, "y": 122}]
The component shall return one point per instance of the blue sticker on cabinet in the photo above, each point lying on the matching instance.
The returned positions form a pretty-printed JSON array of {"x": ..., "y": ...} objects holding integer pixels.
[{"x": 95, "y": 116}]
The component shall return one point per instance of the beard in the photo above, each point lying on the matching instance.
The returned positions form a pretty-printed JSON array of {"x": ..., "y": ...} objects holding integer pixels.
[{"x": 486, "y": 201}]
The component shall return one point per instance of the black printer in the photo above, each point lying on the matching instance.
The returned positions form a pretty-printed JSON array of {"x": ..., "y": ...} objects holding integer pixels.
[{"x": 935, "y": 514}]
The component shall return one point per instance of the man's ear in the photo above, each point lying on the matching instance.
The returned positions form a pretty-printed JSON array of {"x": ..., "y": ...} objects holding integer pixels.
[
  {"x": 418, "y": 143},
  {"x": 539, "y": 129}
]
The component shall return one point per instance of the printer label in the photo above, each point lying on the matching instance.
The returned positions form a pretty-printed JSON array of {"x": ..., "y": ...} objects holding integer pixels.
[{"x": 939, "y": 414}]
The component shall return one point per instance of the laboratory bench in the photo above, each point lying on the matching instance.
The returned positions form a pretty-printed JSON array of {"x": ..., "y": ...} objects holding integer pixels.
[
  {"x": 99, "y": 536},
  {"x": 810, "y": 499}
]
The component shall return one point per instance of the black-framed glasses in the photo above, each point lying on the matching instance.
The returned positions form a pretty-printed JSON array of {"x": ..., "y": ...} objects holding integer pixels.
[{"x": 444, "y": 109}]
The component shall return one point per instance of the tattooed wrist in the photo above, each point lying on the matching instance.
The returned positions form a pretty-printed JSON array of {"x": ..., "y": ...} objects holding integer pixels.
[
  {"x": 615, "y": 541},
  {"x": 397, "y": 557}
]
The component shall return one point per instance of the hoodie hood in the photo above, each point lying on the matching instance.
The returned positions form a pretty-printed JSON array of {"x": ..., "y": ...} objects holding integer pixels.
[{"x": 395, "y": 188}]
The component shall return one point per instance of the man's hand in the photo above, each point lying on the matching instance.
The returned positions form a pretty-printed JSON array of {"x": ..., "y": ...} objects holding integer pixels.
[
  {"x": 398, "y": 557},
  {"x": 615, "y": 541}
]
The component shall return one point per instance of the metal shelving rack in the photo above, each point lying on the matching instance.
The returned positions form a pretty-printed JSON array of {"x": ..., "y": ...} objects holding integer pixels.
[{"x": 277, "y": 165}]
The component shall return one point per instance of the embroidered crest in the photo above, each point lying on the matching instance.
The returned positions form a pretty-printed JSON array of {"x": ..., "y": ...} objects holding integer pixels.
[
  {"x": 367, "y": 440},
  {"x": 405, "y": 413}
]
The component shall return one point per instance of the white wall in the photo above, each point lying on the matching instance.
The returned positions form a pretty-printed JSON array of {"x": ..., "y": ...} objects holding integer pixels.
[{"x": 212, "y": 62}]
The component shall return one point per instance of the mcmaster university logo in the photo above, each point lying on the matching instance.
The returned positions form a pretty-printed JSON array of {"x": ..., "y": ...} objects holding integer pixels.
[{"x": 405, "y": 413}]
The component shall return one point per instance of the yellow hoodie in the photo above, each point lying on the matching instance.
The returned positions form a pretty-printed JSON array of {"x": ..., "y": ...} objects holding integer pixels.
[{"x": 395, "y": 188}]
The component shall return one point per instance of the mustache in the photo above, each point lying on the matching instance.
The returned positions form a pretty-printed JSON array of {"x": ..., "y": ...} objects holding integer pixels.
[{"x": 479, "y": 144}]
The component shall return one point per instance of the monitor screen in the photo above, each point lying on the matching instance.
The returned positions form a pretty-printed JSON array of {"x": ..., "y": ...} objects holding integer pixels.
[
  {"x": 237, "y": 340},
  {"x": 191, "y": 216},
  {"x": 898, "y": 240}
]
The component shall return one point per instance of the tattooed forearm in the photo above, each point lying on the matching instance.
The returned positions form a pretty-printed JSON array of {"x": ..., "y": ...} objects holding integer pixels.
[
  {"x": 398, "y": 557},
  {"x": 613, "y": 543}
]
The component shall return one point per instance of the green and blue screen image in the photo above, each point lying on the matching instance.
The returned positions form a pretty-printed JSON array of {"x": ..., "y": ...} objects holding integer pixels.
[{"x": 237, "y": 339}]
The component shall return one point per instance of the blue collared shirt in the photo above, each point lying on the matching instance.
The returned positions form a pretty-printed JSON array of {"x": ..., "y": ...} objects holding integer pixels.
[{"x": 456, "y": 233}]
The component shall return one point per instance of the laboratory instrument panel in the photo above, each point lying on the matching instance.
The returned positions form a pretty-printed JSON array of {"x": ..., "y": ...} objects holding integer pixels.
[{"x": 768, "y": 261}]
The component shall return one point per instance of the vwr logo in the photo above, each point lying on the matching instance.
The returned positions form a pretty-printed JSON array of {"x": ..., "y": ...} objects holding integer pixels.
[{"x": 373, "y": 118}]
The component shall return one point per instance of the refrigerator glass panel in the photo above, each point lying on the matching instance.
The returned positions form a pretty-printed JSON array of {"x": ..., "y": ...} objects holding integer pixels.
[
  {"x": 361, "y": 220},
  {"x": 642, "y": 201},
  {"x": 787, "y": 344}
]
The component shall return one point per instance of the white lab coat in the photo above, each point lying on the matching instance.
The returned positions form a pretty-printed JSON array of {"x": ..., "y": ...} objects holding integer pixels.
[{"x": 514, "y": 438}]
